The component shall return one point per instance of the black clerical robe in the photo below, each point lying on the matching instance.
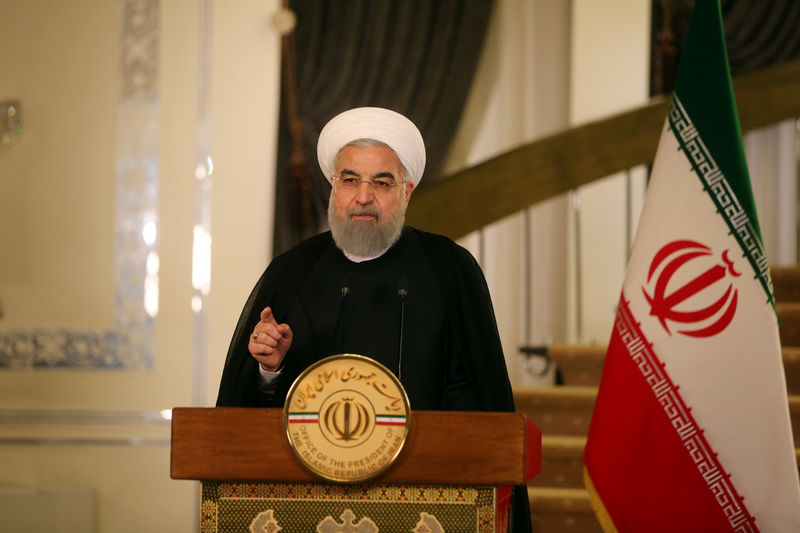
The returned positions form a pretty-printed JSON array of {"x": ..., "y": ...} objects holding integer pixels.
[
  {"x": 450, "y": 357},
  {"x": 451, "y": 354}
]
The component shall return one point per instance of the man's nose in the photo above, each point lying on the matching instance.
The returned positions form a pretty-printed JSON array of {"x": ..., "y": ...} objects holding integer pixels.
[{"x": 365, "y": 193}]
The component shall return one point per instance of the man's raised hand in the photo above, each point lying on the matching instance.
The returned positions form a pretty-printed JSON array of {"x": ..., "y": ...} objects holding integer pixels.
[{"x": 270, "y": 341}]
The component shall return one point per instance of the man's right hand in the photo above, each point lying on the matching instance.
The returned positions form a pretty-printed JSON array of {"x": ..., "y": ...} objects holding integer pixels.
[{"x": 270, "y": 341}]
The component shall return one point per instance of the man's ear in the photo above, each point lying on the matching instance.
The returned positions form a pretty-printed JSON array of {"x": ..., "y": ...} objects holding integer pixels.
[{"x": 409, "y": 189}]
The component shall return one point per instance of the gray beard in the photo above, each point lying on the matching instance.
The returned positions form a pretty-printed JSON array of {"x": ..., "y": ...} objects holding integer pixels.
[{"x": 362, "y": 238}]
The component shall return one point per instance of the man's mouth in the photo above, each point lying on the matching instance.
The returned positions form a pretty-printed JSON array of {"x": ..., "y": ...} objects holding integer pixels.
[{"x": 364, "y": 215}]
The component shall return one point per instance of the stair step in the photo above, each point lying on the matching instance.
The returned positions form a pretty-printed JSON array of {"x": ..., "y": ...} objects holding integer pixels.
[
  {"x": 794, "y": 414},
  {"x": 582, "y": 365},
  {"x": 789, "y": 322},
  {"x": 561, "y": 410},
  {"x": 579, "y": 364},
  {"x": 562, "y": 510},
  {"x": 567, "y": 410},
  {"x": 791, "y": 367},
  {"x": 786, "y": 283},
  {"x": 562, "y": 462}
]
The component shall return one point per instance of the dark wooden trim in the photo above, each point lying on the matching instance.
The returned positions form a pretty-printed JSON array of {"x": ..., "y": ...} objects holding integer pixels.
[
  {"x": 477, "y": 196},
  {"x": 443, "y": 448}
]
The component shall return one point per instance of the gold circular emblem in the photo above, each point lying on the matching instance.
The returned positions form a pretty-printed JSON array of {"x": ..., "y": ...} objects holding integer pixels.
[{"x": 347, "y": 418}]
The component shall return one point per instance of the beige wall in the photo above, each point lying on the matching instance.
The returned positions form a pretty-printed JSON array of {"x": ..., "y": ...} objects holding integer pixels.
[
  {"x": 245, "y": 96},
  {"x": 55, "y": 192},
  {"x": 548, "y": 65},
  {"x": 99, "y": 431},
  {"x": 521, "y": 93},
  {"x": 609, "y": 73}
]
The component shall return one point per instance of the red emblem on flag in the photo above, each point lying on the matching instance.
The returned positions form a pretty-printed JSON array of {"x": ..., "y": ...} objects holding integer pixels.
[{"x": 697, "y": 294}]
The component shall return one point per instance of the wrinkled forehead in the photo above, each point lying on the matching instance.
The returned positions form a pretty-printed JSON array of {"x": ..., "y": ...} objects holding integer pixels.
[{"x": 402, "y": 171}]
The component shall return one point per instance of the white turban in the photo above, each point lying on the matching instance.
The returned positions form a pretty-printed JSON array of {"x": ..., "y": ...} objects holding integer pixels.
[{"x": 384, "y": 125}]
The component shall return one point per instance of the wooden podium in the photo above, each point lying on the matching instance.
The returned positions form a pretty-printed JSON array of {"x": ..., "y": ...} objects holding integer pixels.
[{"x": 454, "y": 474}]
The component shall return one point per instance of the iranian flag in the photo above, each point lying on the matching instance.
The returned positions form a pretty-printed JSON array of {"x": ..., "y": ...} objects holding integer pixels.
[{"x": 691, "y": 427}]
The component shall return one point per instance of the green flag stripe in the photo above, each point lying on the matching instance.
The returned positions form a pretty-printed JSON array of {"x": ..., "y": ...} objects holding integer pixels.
[
  {"x": 718, "y": 188},
  {"x": 703, "y": 84}
]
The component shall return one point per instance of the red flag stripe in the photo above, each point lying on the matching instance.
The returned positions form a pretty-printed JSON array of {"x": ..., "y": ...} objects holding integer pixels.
[{"x": 675, "y": 473}]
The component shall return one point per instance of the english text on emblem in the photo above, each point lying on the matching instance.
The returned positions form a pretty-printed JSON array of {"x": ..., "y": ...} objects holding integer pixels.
[{"x": 347, "y": 418}]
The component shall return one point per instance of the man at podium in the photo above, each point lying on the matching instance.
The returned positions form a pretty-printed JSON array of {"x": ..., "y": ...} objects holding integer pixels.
[{"x": 415, "y": 302}]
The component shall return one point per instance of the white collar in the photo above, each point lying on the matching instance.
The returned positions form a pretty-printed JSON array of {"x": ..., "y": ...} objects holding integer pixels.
[{"x": 357, "y": 259}]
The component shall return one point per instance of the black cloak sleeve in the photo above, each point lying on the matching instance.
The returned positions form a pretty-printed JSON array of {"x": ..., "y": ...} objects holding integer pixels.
[{"x": 278, "y": 288}]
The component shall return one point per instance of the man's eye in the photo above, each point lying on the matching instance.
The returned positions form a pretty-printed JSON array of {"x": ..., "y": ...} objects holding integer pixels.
[
  {"x": 351, "y": 181},
  {"x": 384, "y": 183}
]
